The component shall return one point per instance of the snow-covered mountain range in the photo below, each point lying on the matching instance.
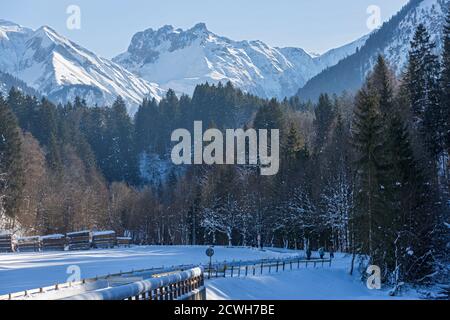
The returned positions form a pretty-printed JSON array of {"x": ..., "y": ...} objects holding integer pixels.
[
  {"x": 181, "y": 59},
  {"x": 61, "y": 69},
  {"x": 392, "y": 40},
  {"x": 157, "y": 60}
]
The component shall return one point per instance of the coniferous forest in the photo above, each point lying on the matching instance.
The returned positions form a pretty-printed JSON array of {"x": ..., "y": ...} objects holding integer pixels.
[{"x": 365, "y": 172}]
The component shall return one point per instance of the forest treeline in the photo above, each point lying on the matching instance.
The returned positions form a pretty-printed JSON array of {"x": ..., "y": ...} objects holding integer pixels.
[{"x": 365, "y": 174}]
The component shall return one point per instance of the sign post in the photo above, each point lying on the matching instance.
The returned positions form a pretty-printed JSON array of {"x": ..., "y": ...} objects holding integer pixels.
[{"x": 210, "y": 253}]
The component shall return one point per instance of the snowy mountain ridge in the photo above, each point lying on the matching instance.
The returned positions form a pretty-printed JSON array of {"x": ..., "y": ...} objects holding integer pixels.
[
  {"x": 181, "y": 59},
  {"x": 61, "y": 69},
  {"x": 392, "y": 40}
]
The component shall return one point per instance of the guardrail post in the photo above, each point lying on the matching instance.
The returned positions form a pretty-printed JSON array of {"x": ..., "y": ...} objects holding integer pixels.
[
  {"x": 239, "y": 271},
  {"x": 224, "y": 270},
  {"x": 246, "y": 270},
  {"x": 290, "y": 262},
  {"x": 175, "y": 290},
  {"x": 232, "y": 269},
  {"x": 277, "y": 265},
  {"x": 298, "y": 264},
  {"x": 254, "y": 270},
  {"x": 284, "y": 264}
]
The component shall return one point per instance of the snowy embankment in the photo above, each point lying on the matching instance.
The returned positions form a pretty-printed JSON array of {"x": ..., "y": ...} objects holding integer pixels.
[
  {"x": 24, "y": 271},
  {"x": 327, "y": 283}
]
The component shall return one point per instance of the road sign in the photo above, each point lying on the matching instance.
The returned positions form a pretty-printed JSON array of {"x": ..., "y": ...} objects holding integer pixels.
[{"x": 210, "y": 252}]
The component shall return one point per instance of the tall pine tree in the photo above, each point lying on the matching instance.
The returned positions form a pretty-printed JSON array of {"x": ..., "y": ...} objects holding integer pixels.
[{"x": 11, "y": 165}]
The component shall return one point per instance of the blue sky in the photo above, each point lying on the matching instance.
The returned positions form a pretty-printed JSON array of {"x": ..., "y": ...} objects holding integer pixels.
[{"x": 108, "y": 25}]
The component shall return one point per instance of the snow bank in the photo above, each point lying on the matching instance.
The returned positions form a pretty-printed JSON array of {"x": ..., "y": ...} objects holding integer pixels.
[
  {"x": 325, "y": 283},
  {"x": 23, "y": 271}
]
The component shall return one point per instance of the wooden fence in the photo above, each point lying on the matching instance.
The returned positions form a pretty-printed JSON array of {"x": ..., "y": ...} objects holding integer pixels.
[{"x": 265, "y": 266}]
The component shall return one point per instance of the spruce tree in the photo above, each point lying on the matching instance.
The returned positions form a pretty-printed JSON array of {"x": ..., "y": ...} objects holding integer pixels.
[
  {"x": 324, "y": 113},
  {"x": 381, "y": 83},
  {"x": 368, "y": 142},
  {"x": 445, "y": 81},
  {"x": 422, "y": 83},
  {"x": 11, "y": 165},
  {"x": 121, "y": 163},
  {"x": 413, "y": 202}
]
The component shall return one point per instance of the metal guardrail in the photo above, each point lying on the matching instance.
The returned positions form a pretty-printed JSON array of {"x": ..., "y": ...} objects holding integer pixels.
[
  {"x": 96, "y": 283},
  {"x": 180, "y": 285}
]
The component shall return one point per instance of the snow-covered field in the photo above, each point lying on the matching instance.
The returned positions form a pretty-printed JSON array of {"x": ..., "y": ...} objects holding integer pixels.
[
  {"x": 23, "y": 271},
  {"x": 319, "y": 283}
]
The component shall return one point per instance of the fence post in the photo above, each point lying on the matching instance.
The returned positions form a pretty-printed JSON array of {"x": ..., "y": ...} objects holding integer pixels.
[
  {"x": 290, "y": 262},
  {"x": 239, "y": 271},
  {"x": 224, "y": 271},
  {"x": 284, "y": 264},
  {"x": 232, "y": 270},
  {"x": 246, "y": 270},
  {"x": 262, "y": 266},
  {"x": 277, "y": 265},
  {"x": 254, "y": 270},
  {"x": 298, "y": 264}
]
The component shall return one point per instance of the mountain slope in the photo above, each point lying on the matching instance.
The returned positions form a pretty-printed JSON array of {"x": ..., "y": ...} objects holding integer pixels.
[
  {"x": 61, "y": 69},
  {"x": 181, "y": 59},
  {"x": 392, "y": 40},
  {"x": 7, "y": 81}
]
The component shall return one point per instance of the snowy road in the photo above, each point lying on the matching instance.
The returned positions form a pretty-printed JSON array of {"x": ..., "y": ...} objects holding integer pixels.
[
  {"x": 333, "y": 283},
  {"x": 23, "y": 271}
]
